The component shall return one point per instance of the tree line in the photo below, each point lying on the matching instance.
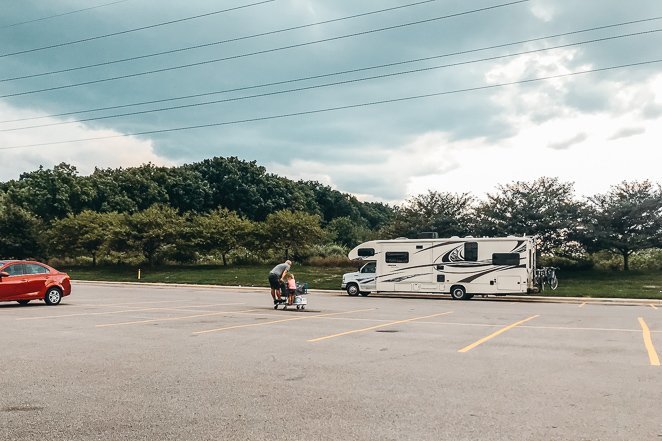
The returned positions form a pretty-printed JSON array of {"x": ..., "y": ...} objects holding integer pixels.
[{"x": 233, "y": 211}]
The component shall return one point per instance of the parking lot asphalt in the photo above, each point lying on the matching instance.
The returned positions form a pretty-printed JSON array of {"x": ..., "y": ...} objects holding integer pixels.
[{"x": 125, "y": 362}]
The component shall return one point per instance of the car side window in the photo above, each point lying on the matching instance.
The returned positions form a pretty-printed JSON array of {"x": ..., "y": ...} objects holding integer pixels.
[
  {"x": 15, "y": 270},
  {"x": 33, "y": 268}
]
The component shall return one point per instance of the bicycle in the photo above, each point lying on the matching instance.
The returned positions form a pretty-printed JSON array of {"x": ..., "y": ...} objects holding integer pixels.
[{"x": 546, "y": 275}]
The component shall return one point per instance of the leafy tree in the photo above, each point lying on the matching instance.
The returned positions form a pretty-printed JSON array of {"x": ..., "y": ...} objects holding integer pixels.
[
  {"x": 447, "y": 214},
  {"x": 20, "y": 232},
  {"x": 186, "y": 189},
  {"x": 544, "y": 207},
  {"x": 221, "y": 230},
  {"x": 85, "y": 233},
  {"x": 376, "y": 214},
  {"x": 624, "y": 220},
  {"x": 292, "y": 232},
  {"x": 348, "y": 232},
  {"x": 51, "y": 194},
  {"x": 332, "y": 203},
  {"x": 152, "y": 232}
]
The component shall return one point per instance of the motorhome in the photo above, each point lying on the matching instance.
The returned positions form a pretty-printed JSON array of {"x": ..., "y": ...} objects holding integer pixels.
[{"x": 461, "y": 267}]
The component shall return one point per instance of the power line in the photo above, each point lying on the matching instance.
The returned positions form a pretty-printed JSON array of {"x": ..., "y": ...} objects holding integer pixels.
[
  {"x": 276, "y": 83},
  {"x": 200, "y": 63},
  {"x": 62, "y": 14},
  {"x": 214, "y": 43},
  {"x": 337, "y": 83},
  {"x": 135, "y": 29},
  {"x": 333, "y": 109}
]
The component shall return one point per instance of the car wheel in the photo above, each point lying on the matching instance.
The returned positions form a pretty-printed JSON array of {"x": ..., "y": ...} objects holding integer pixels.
[
  {"x": 459, "y": 293},
  {"x": 353, "y": 289},
  {"x": 23, "y": 302},
  {"x": 53, "y": 296}
]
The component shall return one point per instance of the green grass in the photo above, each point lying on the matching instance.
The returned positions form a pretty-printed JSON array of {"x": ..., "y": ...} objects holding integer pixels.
[
  {"x": 631, "y": 284},
  {"x": 575, "y": 284},
  {"x": 316, "y": 277}
]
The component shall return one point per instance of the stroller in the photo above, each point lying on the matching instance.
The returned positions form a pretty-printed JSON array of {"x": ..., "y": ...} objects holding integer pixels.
[{"x": 300, "y": 296}]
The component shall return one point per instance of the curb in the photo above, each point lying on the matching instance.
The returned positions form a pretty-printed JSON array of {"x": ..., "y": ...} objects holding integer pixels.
[{"x": 543, "y": 299}]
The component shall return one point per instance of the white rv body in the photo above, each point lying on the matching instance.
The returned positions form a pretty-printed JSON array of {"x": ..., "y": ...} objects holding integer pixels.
[{"x": 461, "y": 267}]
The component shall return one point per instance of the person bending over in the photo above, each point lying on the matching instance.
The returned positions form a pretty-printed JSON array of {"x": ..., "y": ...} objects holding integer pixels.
[{"x": 276, "y": 277}]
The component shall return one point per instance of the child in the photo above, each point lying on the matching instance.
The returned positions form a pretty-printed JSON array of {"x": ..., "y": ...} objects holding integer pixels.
[{"x": 291, "y": 288}]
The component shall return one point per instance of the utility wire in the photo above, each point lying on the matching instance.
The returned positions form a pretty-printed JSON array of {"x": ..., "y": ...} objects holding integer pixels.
[
  {"x": 231, "y": 40},
  {"x": 333, "y": 109},
  {"x": 200, "y": 63},
  {"x": 337, "y": 83},
  {"x": 135, "y": 29},
  {"x": 327, "y": 74},
  {"x": 62, "y": 14}
]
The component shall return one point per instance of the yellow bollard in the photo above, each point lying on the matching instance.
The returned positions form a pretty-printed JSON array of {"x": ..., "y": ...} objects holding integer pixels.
[{"x": 138, "y": 273}]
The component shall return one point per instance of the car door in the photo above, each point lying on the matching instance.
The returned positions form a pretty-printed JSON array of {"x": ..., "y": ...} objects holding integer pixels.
[
  {"x": 367, "y": 278},
  {"x": 35, "y": 276},
  {"x": 13, "y": 285}
]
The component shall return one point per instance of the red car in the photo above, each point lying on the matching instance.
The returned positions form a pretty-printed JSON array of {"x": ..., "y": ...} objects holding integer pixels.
[{"x": 23, "y": 280}]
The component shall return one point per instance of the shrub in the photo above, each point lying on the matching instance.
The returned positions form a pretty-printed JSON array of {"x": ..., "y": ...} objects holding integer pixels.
[
  {"x": 331, "y": 261},
  {"x": 566, "y": 263}
]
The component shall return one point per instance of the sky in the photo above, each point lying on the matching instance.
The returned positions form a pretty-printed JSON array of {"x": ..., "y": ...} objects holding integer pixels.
[{"x": 381, "y": 99}]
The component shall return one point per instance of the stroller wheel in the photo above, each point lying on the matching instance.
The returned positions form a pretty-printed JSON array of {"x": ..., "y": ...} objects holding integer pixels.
[
  {"x": 276, "y": 306},
  {"x": 298, "y": 306}
]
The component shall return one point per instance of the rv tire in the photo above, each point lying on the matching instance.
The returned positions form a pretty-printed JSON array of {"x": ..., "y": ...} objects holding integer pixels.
[
  {"x": 353, "y": 289},
  {"x": 459, "y": 293}
]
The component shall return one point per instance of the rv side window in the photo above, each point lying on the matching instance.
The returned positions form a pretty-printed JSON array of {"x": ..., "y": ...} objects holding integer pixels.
[
  {"x": 369, "y": 268},
  {"x": 397, "y": 257},
  {"x": 505, "y": 259},
  {"x": 366, "y": 252},
  {"x": 471, "y": 251}
]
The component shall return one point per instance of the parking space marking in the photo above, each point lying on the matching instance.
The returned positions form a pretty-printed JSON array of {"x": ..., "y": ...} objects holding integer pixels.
[
  {"x": 491, "y": 336},
  {"x": 582, "y": 305},
  {"x": 281, "y": 321},
  {"x": 122, "y": 311},
  {"x": 492, "y": 325},
  {"x": 648, "y": 342},
  {"x": 163, "y": 319},
  {"x": 353, "y": 331},
  {"x": 99, "y": 305},
  {"x": 653, "y": 306}
]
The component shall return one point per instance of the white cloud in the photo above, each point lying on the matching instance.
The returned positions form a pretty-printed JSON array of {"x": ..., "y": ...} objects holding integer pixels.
[
  {"x": 106, "y": 153},
  {"x": 381, "y": 170},
  {"x": 543, "y": 10}
]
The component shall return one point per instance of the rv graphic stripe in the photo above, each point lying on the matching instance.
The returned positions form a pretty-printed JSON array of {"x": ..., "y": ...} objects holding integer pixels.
[
  {"x": 440, "y": 245},
  {"x": 401, "y": 278},
  {"x": 482, "y": 273}
]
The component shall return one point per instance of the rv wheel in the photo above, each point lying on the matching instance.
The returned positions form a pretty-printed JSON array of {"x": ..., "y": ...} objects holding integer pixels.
[
  {"x": 459, "y": 293},
  {"x": 353, "y": 289}
]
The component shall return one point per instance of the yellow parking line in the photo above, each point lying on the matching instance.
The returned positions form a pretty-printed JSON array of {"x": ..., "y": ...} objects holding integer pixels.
[
  {"x": 376, "y": 326},
  {"x": 648, "y": 342},
  {"x": 653, "y": 306},
  {"x": 163, "y": 319},
  {"x": 582, "y": 305},
  {"x": 95, "y": 305},
  {"x": 121, "y": 311},
  {"x": 280, "y": 321},
  {"x": 491, "y": 336}
]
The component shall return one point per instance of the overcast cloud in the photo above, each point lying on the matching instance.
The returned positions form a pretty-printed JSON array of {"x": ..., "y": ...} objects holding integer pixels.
[{"x": 594, "y": 129}]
